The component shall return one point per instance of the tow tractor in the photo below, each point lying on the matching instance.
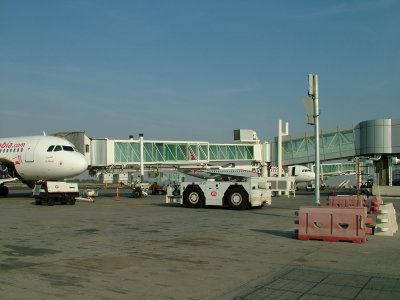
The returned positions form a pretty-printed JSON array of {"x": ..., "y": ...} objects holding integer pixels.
[
  {"x": 50, "y": 192},
  {"x": 246, "y": 193}
]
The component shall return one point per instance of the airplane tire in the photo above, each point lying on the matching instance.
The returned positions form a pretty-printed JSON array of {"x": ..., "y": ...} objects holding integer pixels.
[
  {"x": 3, "y": 191},
  {"x": 237, "y": 198},
  {"x": 193, "y": 197}
]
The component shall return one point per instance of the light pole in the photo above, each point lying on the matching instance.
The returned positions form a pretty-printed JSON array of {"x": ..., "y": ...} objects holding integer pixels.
[{"x": 311, "y": 103}]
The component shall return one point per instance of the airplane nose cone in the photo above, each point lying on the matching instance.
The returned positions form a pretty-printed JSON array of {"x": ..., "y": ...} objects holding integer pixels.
[
  {"x": 82, "y": 164},
  {"x": 79, "y": 164}
]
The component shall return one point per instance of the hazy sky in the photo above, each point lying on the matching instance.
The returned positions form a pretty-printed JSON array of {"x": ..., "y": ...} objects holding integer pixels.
[{"x": 194, "y": 70}]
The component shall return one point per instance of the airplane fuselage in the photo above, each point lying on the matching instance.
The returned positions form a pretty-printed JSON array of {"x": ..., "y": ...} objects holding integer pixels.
[{"x": 41, "y": 158}]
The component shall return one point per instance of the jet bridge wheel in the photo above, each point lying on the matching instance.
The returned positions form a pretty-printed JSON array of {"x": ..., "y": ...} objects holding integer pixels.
[
  {"x": 137, "y": 193},
  {"x": 193, "y": 197},
  {"x": 237, "y": 198}
]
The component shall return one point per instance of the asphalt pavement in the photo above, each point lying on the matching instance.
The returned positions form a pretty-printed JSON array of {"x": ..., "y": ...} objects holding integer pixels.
[{"x": 147, "y": 249}]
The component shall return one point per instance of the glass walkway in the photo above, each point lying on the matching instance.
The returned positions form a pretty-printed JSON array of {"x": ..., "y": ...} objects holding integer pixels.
[{"x": 167, "y": 153}]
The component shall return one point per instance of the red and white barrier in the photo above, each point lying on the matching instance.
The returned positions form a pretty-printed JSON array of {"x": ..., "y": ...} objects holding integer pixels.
[
  {"x": 333, "y": 224},
  {"x": 347, "y": 200},
  {"x": 376, "y": 201}
]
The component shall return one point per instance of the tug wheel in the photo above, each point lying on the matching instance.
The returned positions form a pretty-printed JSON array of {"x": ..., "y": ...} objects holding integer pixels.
[
  {"x": 237, "y": 198},
  {"x": 193, "y": 197}
]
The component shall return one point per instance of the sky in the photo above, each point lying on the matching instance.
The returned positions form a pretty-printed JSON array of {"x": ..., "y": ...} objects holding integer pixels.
[{"x": 194, "y": 70}]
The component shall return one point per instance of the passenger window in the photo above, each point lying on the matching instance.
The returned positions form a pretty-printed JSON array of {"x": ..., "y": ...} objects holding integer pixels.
[
  {"x": 50, "y": 148},
  {"x": 68, "y": 148},
  {"x": 57, "y": 148}
]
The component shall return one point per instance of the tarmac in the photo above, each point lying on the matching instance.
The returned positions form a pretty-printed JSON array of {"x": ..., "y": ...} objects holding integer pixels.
[{"x": 147, "y": 249}]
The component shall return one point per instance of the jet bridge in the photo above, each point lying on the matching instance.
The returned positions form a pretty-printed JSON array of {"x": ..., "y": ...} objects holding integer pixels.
[
  {"x": 107, "y": 153},
  {"x": 377, "y": 140},
  {"x": 121, "y": 156}
]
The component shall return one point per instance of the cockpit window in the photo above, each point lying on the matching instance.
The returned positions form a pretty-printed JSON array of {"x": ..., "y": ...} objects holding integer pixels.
[
  {"x": 68, "y": 148},
  {"x": 50, "y": 148},
  {"x": 57, "y": 148}
]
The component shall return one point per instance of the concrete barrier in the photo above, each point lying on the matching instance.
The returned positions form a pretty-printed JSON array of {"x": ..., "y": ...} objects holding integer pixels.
[
  {"x": 333, "y": 224},
  {"x": 386, "y": 222},
  {"x": 391, "y": 191}
]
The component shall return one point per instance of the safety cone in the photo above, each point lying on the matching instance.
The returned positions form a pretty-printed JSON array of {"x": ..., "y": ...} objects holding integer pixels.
[{"x": 117, "y": 198}]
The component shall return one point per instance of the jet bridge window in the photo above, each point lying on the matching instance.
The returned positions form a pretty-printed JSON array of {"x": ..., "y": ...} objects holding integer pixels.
[
  {"x": 50, "y": 148},
  {"x": 57, "y": 148},
  {"x": 68, "y": 148}
]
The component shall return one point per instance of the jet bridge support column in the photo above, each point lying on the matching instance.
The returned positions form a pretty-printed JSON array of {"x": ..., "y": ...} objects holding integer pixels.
[
  {"x": 382, "y": 168},
  {"x": 141, "y": 157},
  {"x": 265, "y": 159},
  {"x": 280, "y": 135}
]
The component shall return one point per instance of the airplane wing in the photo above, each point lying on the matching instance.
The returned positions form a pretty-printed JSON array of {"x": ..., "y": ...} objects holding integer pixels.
[
  {"x": 195, "y": 171},
  {"x": 218, "y": 173},
  {"x": 232, "y": 175}
]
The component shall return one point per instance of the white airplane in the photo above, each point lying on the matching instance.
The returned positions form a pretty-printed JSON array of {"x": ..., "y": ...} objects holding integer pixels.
[
  {"x": 34, "y": 158},
  {"x": 232, "y": 172},
  {"x": 300, "y": 173}
]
